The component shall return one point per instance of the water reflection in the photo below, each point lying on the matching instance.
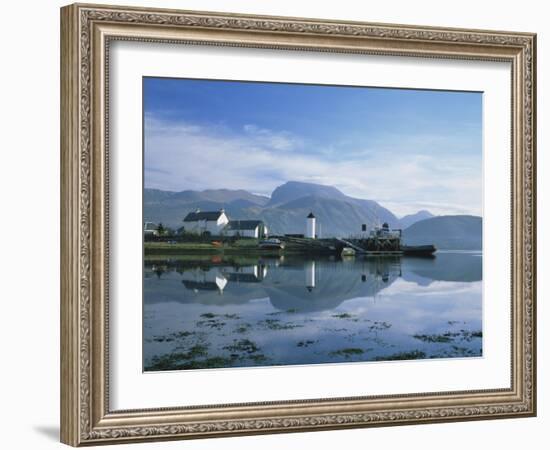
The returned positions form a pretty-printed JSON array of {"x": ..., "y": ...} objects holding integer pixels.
[
  {"x": 298, "y": 283},
  {"x": 423, "y": 308}
]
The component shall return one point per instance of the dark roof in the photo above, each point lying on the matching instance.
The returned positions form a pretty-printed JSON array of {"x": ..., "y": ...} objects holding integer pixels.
[
  {"x": 242, "y": 277},
  {"x": 243, "y": 224},
  {"x": 202, "y": 215},
  {"x": 200, "y": 286},
  {"x": 311, "y": 216}
]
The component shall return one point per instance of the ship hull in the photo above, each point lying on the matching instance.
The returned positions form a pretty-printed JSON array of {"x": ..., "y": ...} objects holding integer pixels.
[{"x": 418, "y": 250}]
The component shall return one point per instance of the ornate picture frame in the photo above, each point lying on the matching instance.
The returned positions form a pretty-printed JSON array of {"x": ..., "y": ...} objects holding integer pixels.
[{"x": 87, "y": 31}]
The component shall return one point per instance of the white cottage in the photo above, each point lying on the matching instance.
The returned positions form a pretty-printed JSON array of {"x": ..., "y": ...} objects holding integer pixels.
[
  {"x": 150, "y": 229},
  {"x": 246, "y": 228},
  {"x": 205, "y": 222}
]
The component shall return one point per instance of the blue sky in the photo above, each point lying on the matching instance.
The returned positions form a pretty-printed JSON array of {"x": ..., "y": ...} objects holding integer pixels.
[{"x": 407, "y": 149}]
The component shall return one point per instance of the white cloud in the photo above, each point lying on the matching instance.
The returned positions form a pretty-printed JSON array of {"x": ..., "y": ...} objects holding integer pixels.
[
  {"x": 182, "y": 156},
  {"x": 282, "y": 140}
]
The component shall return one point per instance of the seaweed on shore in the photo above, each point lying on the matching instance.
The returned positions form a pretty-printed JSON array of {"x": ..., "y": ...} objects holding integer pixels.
[
  {"x": 402, "y": 356},
  {"x": 448, "y": 336},
  {"x": 275, "y": 324},
  {"x": 243, "y": 328},
  {"x": 348, "y": 352},
  {"x": 306, "y": 343},
  {"x": 215, "y": 362},
  {"x": 242, "y": 345},
  {"x": 211, "y": 323},
  {"x": 172, "y": 361}
]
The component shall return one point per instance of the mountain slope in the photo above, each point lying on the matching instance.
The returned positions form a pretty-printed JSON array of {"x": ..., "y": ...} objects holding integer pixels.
[
  {"x": 446, "y": 232},
  {"x": 171, "y": 207},
  {"x": 334, "y": 217},
  {"x": 408, "y": 220},
  {"x": 293, "y": 190},
  {"x": 285, "y": 212}
]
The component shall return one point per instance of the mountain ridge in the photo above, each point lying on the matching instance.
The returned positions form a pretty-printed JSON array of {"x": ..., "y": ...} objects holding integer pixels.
[
  {"x": 410, "y": 219},
  {"x": 338, "y": 215},
  {"x": 284, "y": 212}
]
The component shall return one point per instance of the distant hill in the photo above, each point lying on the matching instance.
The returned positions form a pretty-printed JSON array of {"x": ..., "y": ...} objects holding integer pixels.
[
  {"x": 334, "y": 217},
  {"x": 293, "y": 190},
  {"x": 446, "y": 232},
  {"x": 223, "y": 196},
  {"x": 285, "y": 212},
  {"x": 407, "y": 221}
]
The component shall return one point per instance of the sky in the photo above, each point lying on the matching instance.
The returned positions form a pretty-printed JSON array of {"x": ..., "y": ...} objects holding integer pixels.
[{"x": 407, "y": 149}]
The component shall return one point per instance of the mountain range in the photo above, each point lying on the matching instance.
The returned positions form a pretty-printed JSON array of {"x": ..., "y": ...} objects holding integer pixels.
[
  {"x": 284, "y": 211},
  {"x": 408, "y": 220},
  {"x": 446, "y": 232}
]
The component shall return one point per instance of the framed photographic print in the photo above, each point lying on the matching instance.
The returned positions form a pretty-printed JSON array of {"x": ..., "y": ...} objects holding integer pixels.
[{"x": 276, "y": 224}]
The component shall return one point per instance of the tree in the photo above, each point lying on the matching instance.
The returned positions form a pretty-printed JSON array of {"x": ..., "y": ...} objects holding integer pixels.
[{"x": 160, "y": 229}]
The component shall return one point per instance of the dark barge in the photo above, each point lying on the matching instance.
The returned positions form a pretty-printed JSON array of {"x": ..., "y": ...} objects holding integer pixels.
[
  {"x": 418, "y": 250},
  {"x": 380, "y": 241}
]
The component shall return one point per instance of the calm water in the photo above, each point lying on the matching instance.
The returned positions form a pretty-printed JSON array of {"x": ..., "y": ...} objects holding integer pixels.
[{"x": 242, "y": 311}]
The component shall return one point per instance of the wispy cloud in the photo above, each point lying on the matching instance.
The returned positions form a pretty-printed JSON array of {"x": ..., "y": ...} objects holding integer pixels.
[
  {"x": 181, "y": 155},
  {"x": 276, "y": 140}
]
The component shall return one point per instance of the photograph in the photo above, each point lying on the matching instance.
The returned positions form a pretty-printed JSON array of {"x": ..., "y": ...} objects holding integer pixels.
[{"x": 293, "y": 224}]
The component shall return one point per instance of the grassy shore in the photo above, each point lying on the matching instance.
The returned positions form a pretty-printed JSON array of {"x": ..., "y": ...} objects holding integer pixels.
[
  {"x": 239, "y": 247},
  {"x": 243, "y": 246}
]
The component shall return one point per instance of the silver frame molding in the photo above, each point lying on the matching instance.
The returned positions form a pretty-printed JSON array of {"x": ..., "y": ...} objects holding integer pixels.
[{"x": 86, "y": 33}]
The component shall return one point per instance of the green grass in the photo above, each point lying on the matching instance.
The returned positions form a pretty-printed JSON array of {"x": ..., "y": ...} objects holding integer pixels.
[{"x": 240, "y": 246}]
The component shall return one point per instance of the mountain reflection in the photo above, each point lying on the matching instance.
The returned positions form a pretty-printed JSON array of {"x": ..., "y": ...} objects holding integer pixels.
[{"x": 299, "y": 284}]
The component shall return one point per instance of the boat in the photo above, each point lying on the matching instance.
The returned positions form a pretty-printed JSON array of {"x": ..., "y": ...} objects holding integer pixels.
[
  {"x": 271, "y": 244},
  {"x": 418, "y": 250},
  {"x": 347, "y": 251}
]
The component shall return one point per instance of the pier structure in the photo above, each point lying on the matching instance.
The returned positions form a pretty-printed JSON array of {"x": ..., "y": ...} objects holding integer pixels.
[{"x": 380, "y": 241}]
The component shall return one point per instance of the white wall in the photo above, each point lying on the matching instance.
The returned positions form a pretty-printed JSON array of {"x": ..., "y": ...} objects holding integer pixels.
[
  {"x": 245, "y": 233},
  {"x": 311, "y": 228},
  {"x": 29, "y": 176},
  {"x": 250, "y": 233},
  {"x": 200, "y": 226}
]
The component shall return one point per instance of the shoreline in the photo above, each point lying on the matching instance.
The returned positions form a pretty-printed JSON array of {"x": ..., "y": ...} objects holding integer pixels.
[{"x": 204, "y": 249}]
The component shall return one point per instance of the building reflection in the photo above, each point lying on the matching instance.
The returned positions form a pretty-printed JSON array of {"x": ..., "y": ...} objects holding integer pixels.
[
  {"x": 309, "y": 269},
  {"x": 297, "y": 283},
  {"x": 217, "y": 278},
  {"x": 307, "y": 285}
]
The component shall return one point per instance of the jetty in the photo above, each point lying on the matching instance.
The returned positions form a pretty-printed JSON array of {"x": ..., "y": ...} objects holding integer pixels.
[{"x": 380, "y": 241}]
